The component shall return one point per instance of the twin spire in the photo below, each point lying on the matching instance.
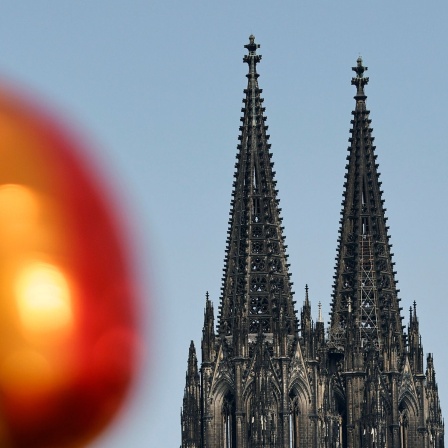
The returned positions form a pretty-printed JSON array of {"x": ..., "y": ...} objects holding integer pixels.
[
  {"x": 256, "y": 288},
  {"x": 365, "y": 286},
  {"x": 263, "y": 383},
  {"x": 256, "y": 291}
]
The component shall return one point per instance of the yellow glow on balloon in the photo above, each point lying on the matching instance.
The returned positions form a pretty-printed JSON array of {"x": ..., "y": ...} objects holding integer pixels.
[
  {"x": 18, "y": 205},
  {"x": 19, "y": 208},
  {"x": 43, "y": 299}
]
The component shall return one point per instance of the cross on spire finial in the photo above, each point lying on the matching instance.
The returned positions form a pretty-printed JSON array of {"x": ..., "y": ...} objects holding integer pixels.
[{"x": 360, "y": 81}]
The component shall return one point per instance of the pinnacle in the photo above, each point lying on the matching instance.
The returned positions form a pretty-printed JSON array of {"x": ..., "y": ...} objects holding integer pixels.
[
  {"x": 192, "y": 368},
  {"x": 319, "y": 316}
]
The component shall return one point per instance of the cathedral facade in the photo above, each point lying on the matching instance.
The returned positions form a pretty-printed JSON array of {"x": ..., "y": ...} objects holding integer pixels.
[{"x": 268, "y": 379}]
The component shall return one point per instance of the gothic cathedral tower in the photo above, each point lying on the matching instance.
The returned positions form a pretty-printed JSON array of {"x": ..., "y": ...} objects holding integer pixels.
[{"x": 265, "y": 383}]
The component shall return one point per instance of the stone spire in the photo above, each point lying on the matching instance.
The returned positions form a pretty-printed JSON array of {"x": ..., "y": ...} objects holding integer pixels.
[
  {"x": 208, "y": 332},
  {"x": 435, "y": 422},
  {"x": 191, "y": 409},
  {"x": 364, "y": 273},
  {"x": 415, "y": 348},
  {"x": 256, "y": 288},
  {"x": 306, "y": 323},
  {"x": 263, "y": 383}
]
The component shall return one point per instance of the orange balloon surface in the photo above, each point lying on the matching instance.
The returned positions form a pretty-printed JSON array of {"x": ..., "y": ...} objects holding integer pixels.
[{"x": 68, "y": 333}]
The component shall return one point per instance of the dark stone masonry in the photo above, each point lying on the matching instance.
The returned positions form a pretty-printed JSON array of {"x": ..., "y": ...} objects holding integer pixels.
[{"x": 270, "y": 380}]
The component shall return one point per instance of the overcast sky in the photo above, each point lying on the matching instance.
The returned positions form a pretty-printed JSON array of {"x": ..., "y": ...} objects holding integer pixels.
[{"x": 156, "y": 86}]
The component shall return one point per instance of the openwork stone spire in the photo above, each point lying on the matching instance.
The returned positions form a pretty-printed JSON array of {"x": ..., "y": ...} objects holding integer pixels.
[
  {"x": 256, "y": 288},
  {"x": 364, "y": 268},
  {"x": 263, "y": 383}
]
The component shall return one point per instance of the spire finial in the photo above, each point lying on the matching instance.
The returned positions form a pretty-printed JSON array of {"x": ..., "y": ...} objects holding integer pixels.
[
  {"x": 306, "y": 294},
  {"x": 252, "y": 58},
  {"x": 252, "y": 46},
  {"x": 360, "y": 81},
  {"x": 319, "y": 316}
]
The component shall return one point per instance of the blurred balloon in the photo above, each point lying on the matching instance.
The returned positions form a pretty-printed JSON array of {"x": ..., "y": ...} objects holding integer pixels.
[{"x": 68, "y": 331}]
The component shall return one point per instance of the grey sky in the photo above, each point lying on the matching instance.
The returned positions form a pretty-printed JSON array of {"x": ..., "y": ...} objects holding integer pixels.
[{"x": 157, "y": 86}]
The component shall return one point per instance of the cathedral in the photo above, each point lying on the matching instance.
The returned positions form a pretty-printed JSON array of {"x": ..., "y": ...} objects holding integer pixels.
[{"x": 268, "y": 379}]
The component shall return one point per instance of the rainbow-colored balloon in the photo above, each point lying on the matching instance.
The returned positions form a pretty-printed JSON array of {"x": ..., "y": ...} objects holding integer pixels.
[{"x": 68, "y": 331}]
